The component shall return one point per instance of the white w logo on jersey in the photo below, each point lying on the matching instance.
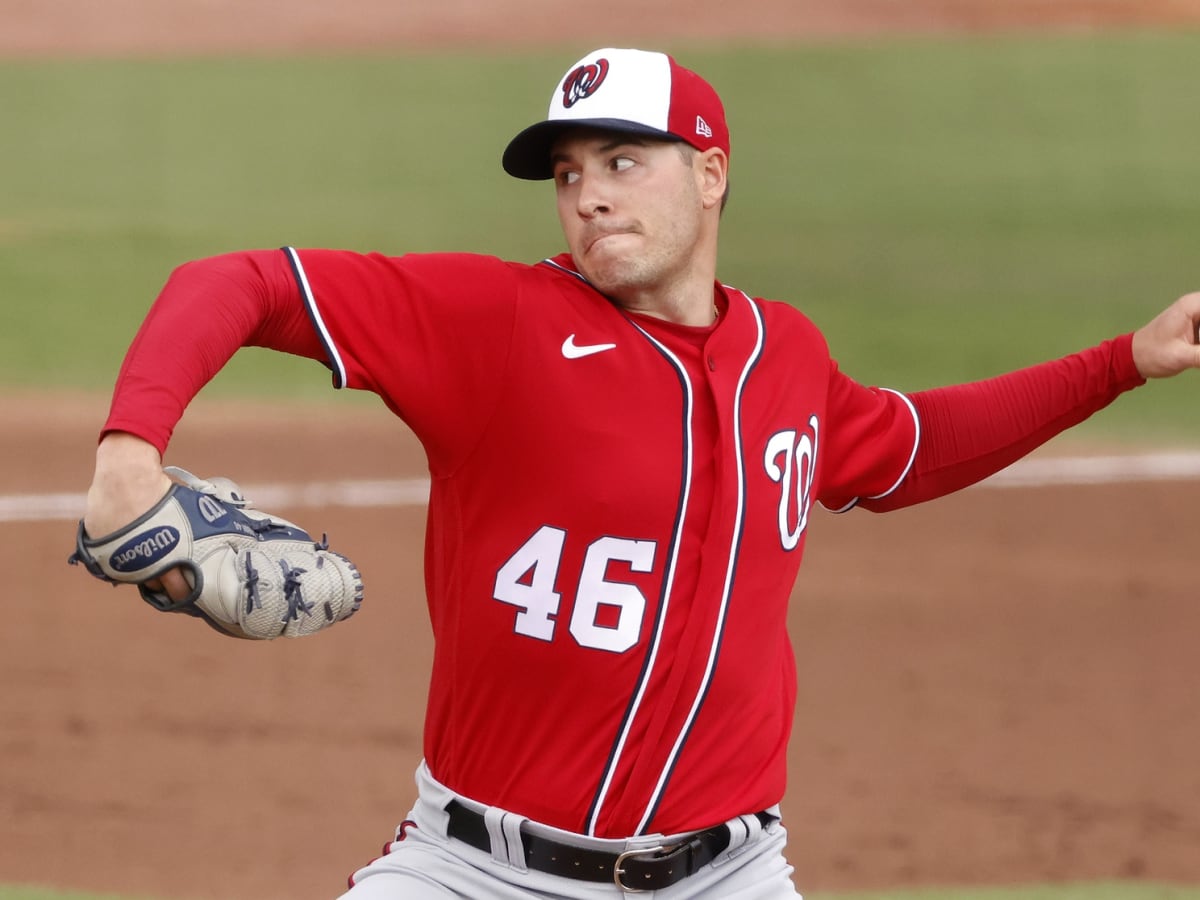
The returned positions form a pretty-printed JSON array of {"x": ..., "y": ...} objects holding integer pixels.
[{"x": 795, "y": 477}]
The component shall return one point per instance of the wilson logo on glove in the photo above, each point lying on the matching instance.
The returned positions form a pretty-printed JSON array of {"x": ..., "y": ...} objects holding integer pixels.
[
  {"x": 145, "y": 549},
  {"x": 252, "y": 575}
]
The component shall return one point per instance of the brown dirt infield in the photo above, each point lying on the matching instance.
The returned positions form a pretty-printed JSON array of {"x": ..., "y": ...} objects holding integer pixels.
[{"x": 995, "y": 688}]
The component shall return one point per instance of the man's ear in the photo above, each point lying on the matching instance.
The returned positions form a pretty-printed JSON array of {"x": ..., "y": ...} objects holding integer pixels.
[{"x": 712, "y": 169}]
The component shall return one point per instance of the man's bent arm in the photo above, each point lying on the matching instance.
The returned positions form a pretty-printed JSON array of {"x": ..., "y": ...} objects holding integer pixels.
[{"x": 207, "y": 310}]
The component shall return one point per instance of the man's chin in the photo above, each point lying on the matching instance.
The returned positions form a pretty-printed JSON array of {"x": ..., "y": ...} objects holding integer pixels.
[
  {"x": 608, "y": 274},
  {"x": 611, "y": 284}
]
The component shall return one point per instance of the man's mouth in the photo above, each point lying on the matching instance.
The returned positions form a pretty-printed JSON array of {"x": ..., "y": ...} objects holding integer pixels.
[{"x": 599, "y": 236}]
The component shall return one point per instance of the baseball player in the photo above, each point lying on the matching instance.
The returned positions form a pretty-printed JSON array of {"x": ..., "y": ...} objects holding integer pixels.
[{"x": 624, "y": 453}]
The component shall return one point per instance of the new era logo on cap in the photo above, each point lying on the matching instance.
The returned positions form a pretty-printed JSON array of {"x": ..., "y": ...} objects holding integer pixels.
[{"x": 637, "y": 91}]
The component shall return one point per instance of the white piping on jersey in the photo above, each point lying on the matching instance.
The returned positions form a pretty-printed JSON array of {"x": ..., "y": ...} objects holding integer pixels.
[
  {"x": 315, "y": 314},
  {"x": 731, "y": 564},
  {"x": 668, "y": 587},
  {"x": 912, "y": 456},
  {"x": 563, "y": 268},
  {"x": 912, "y": 411}
]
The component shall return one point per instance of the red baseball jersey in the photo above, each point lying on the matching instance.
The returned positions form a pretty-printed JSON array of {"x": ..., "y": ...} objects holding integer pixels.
[
  {"x": 616, "y": 521},
  {"x": 618, "y": 506}
]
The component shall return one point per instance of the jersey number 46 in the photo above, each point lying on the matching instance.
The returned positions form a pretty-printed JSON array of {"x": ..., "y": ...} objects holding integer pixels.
[{"x": 527, "y": 582}]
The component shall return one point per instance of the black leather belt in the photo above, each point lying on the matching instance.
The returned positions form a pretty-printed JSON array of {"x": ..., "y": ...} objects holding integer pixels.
[{"x": 646, "y": 869}]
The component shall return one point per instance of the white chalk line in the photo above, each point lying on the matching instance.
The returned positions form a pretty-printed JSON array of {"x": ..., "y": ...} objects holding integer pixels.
[
  {"x": 1033, "y": 472},
  {"x": 403, "y": 492}
]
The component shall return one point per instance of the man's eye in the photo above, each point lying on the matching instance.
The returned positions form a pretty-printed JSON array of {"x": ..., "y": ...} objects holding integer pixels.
[
  {"x": 621, "y": 163},
  {"x": 567, "y": 177}
]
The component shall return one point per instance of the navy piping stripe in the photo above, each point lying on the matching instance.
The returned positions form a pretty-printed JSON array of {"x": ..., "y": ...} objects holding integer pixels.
[
  {"x": 730, "y": 577},
  {"x": 664, "y": 597},
  {"x": 314, "y": 316}
]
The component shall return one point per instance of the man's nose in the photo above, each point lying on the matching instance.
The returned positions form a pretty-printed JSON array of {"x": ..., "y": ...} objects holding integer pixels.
[{"x": 593, "y": 198}]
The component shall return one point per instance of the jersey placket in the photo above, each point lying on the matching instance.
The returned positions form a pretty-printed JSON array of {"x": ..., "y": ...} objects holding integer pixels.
[{"x": 673, "y": 688}]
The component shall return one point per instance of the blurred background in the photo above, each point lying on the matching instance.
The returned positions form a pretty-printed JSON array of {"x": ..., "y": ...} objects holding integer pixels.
[{"x": 948, "y": 188}]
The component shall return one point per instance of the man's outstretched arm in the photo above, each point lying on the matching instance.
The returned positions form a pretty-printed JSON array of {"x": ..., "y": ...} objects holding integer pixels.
[{"x": 971, "y": 431}]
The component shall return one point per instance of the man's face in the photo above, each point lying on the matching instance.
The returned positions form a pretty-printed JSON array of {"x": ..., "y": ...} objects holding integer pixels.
[{"x": 630, "y": 209}]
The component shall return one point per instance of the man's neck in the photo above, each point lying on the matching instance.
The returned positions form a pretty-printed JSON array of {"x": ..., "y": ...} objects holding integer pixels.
[
  {"x": 687, "y": 302},
  {"x": 699, "y": 314}
]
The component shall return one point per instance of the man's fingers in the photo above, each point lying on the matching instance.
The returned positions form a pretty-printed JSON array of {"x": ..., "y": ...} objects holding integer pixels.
[
  {"x": 1167, "y": 344},
  {"x": 172, "y": 583}
]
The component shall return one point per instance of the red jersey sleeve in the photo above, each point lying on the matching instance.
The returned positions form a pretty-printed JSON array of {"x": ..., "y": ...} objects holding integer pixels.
[
  {"x": 429, "y": 333},
  {"x": 207, "y": 309},
  {"x": 970, "y": 431},
  {"x": 870, "y": 440}
]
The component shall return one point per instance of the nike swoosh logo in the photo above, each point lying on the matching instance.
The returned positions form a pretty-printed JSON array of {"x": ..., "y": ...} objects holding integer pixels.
[{"x": 571, "y": 350}]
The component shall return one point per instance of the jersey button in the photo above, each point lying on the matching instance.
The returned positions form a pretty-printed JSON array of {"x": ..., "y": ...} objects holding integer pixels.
[{"x": 712, "y": 363}]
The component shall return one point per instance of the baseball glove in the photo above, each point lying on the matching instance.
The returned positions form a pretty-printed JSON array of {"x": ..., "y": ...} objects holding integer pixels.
[{"x": 252, "y": 575}]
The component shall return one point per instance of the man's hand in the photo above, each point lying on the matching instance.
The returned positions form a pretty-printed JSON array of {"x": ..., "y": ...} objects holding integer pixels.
[
  {"x": 128, "y": 481},
  {"x": 1167, "y": 344},
  {"x": 201, "y": 548}
]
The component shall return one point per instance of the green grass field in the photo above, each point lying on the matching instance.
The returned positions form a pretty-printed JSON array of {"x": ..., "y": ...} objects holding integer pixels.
[{"x": 945, "y": 210}]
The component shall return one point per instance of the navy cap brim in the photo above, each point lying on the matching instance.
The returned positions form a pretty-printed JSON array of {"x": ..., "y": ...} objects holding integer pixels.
[{"x": 528, "y": 154}]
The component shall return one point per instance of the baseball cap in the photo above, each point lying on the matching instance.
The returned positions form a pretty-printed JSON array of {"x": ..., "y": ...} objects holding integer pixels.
[{"x": 635, "y": 91}]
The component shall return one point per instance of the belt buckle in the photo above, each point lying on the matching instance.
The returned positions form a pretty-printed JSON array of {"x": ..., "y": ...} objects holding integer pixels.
[{"x": 618, "y": 871}]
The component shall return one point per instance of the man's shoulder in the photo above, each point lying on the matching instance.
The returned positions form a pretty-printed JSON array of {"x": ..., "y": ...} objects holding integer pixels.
[
  {"x": 556, "y": 277},
  {"x": 478, "y": 270},
  {"x": 552, "y": 278},
  {"x": 777, "y": 312}
]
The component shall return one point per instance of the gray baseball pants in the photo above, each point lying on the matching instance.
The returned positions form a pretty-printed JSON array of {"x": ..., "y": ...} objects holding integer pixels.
[{"x": 423, "y": 863}]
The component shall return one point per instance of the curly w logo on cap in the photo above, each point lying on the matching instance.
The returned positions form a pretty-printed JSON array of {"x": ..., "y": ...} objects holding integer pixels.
[{"x": 583, "y": 82}]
